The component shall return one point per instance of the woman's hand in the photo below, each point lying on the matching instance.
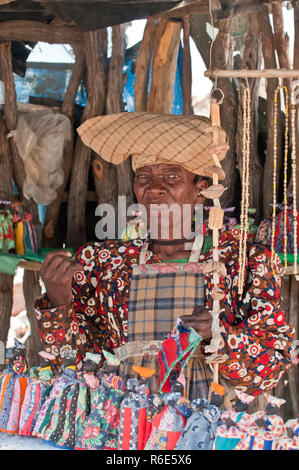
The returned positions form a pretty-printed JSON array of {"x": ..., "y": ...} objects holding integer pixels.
[
  {"x": 201, "y": 322},
  {"x": 57, "y": 273}
]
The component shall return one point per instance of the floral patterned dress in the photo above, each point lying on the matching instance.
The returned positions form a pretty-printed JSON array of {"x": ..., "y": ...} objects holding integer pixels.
[
  {"x": 100, "y": 430},
  {"x": 256, "y": 338}
]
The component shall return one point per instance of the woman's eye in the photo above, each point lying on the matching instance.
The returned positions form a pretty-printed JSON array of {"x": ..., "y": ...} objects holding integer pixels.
[
  {"x": 172, "y": 176},
  {"x": 142, "y": 178}
]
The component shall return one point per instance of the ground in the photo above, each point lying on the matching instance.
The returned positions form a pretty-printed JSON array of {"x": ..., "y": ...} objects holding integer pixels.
[{"x": 15, "y": 442}]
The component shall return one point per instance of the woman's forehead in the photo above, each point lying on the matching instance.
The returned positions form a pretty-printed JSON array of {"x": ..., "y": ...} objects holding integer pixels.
[{"x": 163, "y": 167}]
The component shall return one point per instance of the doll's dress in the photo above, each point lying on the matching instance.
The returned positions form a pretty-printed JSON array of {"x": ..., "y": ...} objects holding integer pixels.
[
  {"x": 100, "y": 430},
  {"x": 201, "y": 427}
]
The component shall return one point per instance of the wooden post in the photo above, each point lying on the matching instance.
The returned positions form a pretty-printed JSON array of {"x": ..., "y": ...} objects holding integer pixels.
[
  {"x": 187, "y": 72},
  {"x": 6, "y": 192},
  {"x": 52, "y": 211},
  {"x": 252, "y": 60},
  {"x": 31, "y": 290},
  {"x": 265, "y": 31},
  {"x": 24, "y": 30},
  {"x": 11, "y": 117},
  {"x": 96, "y": 92},
  {"x": 143, "y": 66},
  {"x": 293, "y": 319},
  {"x": 114, "y": 104},
  {"x": 296, "y": 66},
  {"x": 222, "y": 58},
  {"x": 280, "y": 41},
  {"x": 164, "y": 66}
]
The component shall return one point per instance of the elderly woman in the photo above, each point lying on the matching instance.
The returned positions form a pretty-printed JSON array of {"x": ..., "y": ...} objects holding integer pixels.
[{"x": 92, "y": 302}]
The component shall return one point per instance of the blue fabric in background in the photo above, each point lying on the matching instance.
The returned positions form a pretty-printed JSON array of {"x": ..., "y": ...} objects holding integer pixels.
[{"x": 48, "y": 80}]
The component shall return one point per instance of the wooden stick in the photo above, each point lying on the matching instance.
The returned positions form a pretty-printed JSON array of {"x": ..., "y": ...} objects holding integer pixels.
[
  {"x": 95, "y": 46},
  {"x": 245, "y": 73},
  {"x": 52, "y": 212},
  {"x": 187, "y": 71},
  {"x": 143, "y": 65},
  {"x": 24, "y": 30},
  {"x": 164, "y": 67}
]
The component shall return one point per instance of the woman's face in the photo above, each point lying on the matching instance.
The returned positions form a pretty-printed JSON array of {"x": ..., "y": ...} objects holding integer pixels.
[{"x": 166, "y": 184}]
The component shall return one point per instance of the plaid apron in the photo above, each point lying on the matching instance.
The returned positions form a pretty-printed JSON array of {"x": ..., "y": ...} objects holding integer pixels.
[{"x": 156, "y": 301}]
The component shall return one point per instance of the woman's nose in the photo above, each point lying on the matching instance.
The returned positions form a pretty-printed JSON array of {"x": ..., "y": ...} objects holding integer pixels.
[{"x": 156, "y": 186}]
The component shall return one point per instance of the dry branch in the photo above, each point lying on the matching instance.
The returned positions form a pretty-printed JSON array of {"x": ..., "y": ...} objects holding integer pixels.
[
  {"x": 143, "y": 66},
  {"x": 24, "y": 30},
  {"x": 164, "y": 66}
]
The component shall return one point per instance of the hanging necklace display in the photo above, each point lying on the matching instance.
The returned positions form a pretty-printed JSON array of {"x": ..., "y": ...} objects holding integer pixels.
[
  {"x": 245, "y": 187},
  {"x": 287, "y": 269},
  {"x": 215, "y": 222},
  {"x": 294, "y": 173}
]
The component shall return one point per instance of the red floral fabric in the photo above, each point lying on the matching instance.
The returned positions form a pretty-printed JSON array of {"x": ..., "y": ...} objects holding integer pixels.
[{"x": 256, "y": 344}]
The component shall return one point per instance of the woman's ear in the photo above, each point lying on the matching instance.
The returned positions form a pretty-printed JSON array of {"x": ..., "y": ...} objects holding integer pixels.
[{"x": 200, "y": 186}]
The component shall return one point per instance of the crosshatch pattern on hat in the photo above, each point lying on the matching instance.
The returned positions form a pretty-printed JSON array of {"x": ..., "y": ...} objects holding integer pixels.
[
  {"x": 161, "y": 138},
  {"x": 157, "y": 301}
]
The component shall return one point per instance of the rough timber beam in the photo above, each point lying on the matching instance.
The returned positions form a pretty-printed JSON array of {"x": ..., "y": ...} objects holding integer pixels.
[{"x": 24, "y": 30}]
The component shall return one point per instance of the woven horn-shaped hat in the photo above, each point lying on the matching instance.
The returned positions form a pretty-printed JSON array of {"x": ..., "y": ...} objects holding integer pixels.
[{"x": 151, "y": 138}]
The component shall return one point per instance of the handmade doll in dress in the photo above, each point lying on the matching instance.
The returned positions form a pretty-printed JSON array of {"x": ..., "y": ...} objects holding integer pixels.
[
  {"x": 100, "y": 430},
  {"x": 201, "y": 426},
  {"x": 168, "y": 416},
  {"x": 88, "y": 384},
  {"x": 61, "y": 428},
  {"x": 13, "y": 388},
  {"x": 48, "y": 416},
  {"x": 75, "y": 411},
  {"x": 267, "y": 427},
  {"x": 235, "y": 423},
  {"x": 37, "y": 390},
  {"x": 290, "y": 440},
  {"x": 134, "y": 427}
]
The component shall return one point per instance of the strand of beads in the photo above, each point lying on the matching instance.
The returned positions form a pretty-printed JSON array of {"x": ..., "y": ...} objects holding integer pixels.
[
  {"x": 285, "y": 174},
  {"x": 245, "y": 187},
  {"x": 294, "y": 171},
  {"x": 274, "y": 198}
]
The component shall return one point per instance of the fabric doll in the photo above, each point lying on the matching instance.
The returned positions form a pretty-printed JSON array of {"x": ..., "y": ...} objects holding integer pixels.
[
  {"x": 236, "y": 422},
  {"x": 289, "y": 441},
  {"x": 36, "y": 392},
  {"x": 88, "y": 383},
  {"x": 201, "y": 426},
  {"x": 169, "y": 420},
  {"x": 100, "y": 429},
  {"x": 64, "y": 408},
  {"x": 48, "y": 416},
  {"x": 134, "y": 427},
  {"x": 267, "y": 428},
  {"x": 13, "y": 388}
]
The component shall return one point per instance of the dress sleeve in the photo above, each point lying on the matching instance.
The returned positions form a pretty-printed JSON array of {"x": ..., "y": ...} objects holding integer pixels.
[
  {"x": 73, "y": 326},
  {"x": 256, "y": 336}
]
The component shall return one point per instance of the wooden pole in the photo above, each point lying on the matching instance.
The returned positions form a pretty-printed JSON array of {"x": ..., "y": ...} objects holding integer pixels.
[
  {"x": 96, "y": 94},
  {"x": 114, "y": 104},
  {"x": 24, "y": 30},
  {"x": 266, "y": 35},
  {"x": 143, "y": 66},
  {"x": 11, "y": 117},
  {"x": 164, "y": 66},
  {"x": 6, "y": 193},
  {"x": 187, "y": 72},
  {"x": 281, "y": 42},
  {"x": 293, "y": 319},
  {"x": 245, "y": 73},
  {"x": 222, "y": 56},
  {"x": 31, "y": 290},
  {"x": 251, "y": 57},
  {"x": 67, "y": 107}
]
